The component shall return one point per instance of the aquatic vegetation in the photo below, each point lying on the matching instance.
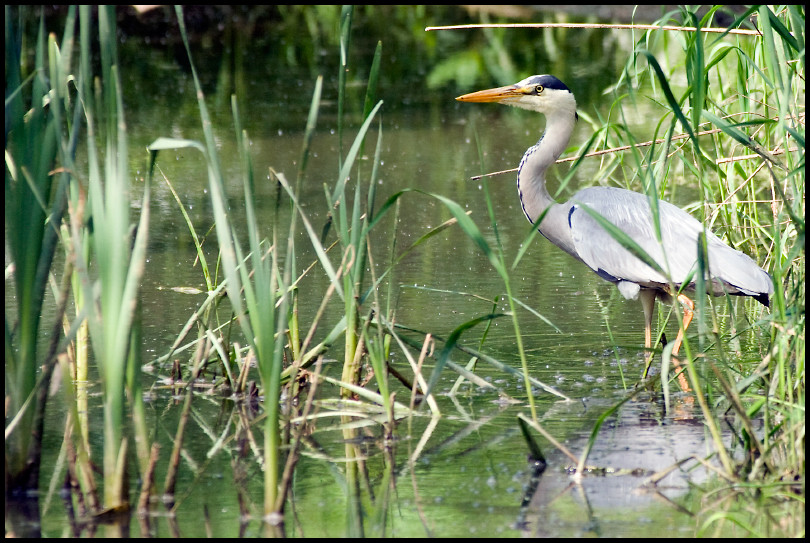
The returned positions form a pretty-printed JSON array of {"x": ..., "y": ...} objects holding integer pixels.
[{"x": 296, "y": 329}]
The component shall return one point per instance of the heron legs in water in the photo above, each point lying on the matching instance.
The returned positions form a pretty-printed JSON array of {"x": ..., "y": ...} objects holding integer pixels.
[{"x": 648, "y": 303}]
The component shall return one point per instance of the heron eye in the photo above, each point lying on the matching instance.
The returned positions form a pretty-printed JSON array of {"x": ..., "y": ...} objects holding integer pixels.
[{"x": 538, "y": 89}]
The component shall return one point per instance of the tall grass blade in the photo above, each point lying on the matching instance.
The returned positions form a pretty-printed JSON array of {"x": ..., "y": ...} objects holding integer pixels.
[
  {"x": 450, "y": 344},
  {"x": 346, "y": 13},
  {"x": 673, "y": 103},
  {"x": 32, "y": 146},
  {"x": 258, "y": 315},
  {"x": 120, "y": 270},
  {"x": 351, "y": 156}
]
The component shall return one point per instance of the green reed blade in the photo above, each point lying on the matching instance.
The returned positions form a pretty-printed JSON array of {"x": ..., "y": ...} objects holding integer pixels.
[
  {"x": 450, "y": 344},
  {"x": 339, "y": 192}
]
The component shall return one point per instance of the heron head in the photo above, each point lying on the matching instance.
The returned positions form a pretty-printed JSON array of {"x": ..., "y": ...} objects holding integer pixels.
[{"x": 542, "y": 93}]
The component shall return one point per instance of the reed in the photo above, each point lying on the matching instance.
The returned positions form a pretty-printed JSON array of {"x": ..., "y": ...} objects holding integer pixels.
[
  {"x": 256, "y": 275},
  {"x": 742, "y": 112},
  {"x": 41, "y": 148},
  {"x": 118, "y": 252},
  {"x": 104, "y": 252},
  {"x": 254, "y": 279},
  {"x": 737, "y": 126},
  {"x": 34, "y": 146},
  {"x": 752, "y": 90}
]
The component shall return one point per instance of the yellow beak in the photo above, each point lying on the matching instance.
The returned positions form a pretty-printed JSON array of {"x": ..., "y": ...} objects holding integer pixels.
[{"x": 493, "y": 95}]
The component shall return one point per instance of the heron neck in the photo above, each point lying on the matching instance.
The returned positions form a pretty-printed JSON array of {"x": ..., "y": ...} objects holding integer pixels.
[{"x": 531, "y": 178}]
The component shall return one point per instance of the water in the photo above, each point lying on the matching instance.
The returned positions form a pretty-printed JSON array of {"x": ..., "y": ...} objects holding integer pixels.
[{"x": 466, "y": 474}]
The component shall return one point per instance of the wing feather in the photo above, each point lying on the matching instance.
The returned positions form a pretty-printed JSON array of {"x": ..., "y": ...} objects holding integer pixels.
[{"x": 676, "y": 253}]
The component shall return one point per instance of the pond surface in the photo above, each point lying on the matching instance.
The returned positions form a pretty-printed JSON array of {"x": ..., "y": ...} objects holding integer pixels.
[{"x": 466, "y": 473}]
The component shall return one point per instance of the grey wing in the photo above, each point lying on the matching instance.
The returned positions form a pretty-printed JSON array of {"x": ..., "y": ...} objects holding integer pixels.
[
  {"x": 597, "y": 248},
  {"x": 736, "y": 269},
  {"x": 676, "y": 254}
]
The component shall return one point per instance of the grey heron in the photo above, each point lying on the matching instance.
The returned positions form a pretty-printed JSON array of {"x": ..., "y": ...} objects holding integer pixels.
[{"x": 570, "y": 227}]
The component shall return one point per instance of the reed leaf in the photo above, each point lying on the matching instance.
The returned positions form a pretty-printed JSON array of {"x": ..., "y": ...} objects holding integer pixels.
[
  {"x": 450, "y": 344},
  {"x": 118, "y": 249},
  {"x": 32, "y": 148}
]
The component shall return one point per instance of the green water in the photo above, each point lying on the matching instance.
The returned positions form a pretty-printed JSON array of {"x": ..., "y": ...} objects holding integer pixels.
[{"x": 465, "y": 474}]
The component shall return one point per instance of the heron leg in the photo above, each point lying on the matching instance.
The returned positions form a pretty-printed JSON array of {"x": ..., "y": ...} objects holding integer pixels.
[
  {"x": 648, "y": 304},
  {"x": 688, "y": 313}
]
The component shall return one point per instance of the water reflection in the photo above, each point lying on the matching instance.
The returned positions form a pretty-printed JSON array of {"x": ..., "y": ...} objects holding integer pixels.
[{"x": 641, "y": 464}]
